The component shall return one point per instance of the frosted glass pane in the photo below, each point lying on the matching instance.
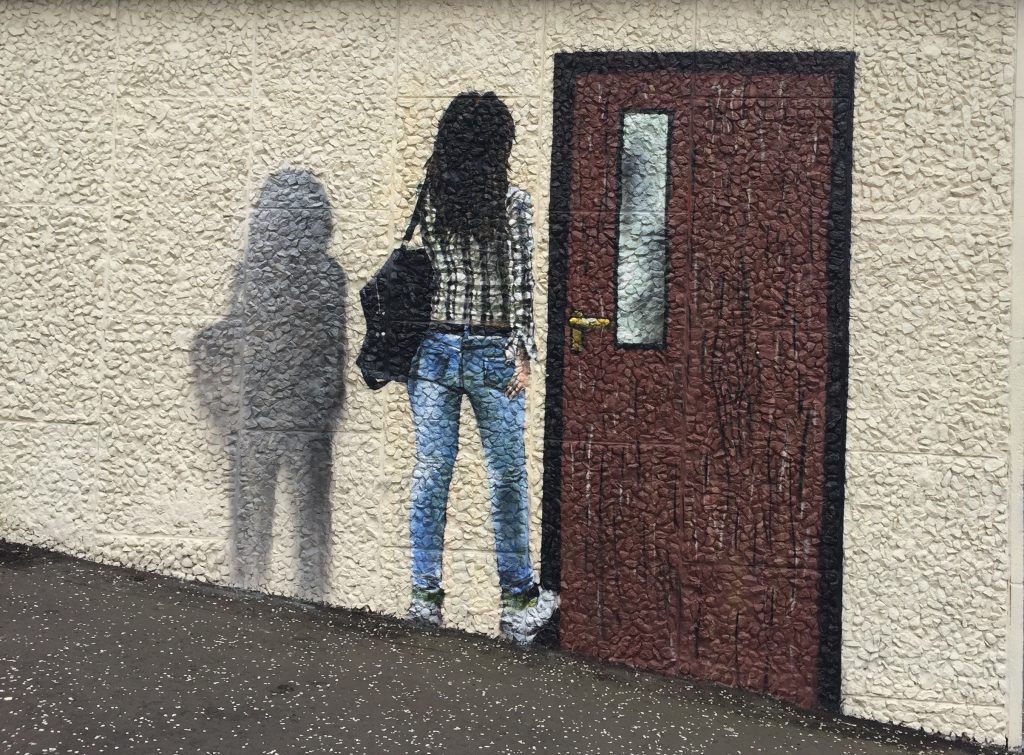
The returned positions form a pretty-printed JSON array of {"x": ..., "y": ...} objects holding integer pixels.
[{"x": 643, "y": 171}]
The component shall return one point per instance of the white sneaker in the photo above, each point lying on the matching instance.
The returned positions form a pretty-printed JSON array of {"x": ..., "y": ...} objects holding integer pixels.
[
  {"x": 522, "y": 623},
  {"x": 424, "y": 611}
]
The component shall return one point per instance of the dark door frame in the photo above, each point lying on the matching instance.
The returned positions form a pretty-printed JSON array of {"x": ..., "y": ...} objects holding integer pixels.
[{"x": 838, "y": 64}]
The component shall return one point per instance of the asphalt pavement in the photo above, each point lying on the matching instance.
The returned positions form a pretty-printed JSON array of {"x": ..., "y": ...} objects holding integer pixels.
[{"x": 98, "y": 659}]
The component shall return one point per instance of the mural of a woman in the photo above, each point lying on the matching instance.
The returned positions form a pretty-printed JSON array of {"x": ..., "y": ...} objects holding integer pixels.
[{"x": 478, "y": 232}]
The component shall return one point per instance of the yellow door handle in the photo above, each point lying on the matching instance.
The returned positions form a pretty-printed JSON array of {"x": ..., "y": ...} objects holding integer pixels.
[{"x": 578, "y": 325}]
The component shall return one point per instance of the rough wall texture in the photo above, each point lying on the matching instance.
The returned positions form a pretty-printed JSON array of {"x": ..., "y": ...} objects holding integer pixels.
[{"x": 136, "y": 144}]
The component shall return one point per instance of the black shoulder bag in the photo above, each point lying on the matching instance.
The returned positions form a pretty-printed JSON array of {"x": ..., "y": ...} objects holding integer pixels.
[{"x": 396, "y": 304}]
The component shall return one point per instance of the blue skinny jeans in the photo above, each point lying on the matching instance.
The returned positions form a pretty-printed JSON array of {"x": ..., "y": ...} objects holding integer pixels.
[{"x": 446, "y": 367}]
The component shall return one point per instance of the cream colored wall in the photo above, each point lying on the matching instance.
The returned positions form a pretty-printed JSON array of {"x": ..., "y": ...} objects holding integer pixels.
[
  {"x": 134, "y": 135},
  {"x": 925, "y": 592}
]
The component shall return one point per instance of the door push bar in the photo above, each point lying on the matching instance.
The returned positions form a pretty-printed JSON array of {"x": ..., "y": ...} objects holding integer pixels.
[{"x": 578, "y": 325}]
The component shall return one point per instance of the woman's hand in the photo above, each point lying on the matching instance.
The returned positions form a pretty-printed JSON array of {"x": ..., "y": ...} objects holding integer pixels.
[{"x": 520, "y": 377}]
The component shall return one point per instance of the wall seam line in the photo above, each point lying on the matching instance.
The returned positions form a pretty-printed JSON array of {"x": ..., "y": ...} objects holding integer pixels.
[
  {"x": 1015, "y": 541},
  {"x": 238, "y": 358},
  {"x": 381, "y": 486},
  {"x": 936, "y": 701},
  {"x": 95, "y": 494},
  {"x": 930, "y": 454},
  {"x": 696, "y": 27}
]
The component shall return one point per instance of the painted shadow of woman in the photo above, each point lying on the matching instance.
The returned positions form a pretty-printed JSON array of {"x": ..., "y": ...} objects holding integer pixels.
[{"x": 271, "y": 376}]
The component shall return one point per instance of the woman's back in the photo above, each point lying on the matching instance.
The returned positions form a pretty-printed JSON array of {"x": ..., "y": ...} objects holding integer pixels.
[{"x": 488, "y": 283}]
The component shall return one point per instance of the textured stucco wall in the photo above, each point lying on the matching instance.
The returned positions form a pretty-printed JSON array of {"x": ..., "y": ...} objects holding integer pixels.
[{"x": 134, "y": 137}]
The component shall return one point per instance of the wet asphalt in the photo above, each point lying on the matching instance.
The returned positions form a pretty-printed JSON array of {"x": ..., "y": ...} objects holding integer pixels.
[{"x": 98, "y": 659}]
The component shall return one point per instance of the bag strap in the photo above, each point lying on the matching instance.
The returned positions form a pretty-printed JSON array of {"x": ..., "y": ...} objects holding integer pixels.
[{"x": 414, "y": 220}]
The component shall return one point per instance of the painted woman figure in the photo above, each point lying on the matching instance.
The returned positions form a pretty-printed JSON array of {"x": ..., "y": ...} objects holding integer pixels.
[{"x": 478, "y": 231}]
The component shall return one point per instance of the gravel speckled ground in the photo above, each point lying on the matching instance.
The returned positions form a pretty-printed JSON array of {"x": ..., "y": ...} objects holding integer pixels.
[{"x": 96, "y": 659}]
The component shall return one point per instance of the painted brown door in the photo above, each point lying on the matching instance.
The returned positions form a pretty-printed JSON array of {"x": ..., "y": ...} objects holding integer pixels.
[{"x": 694, "y": 372}]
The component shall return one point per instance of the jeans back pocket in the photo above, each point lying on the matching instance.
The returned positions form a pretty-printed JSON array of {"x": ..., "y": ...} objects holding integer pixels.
[{"x": 430, "y": 363}]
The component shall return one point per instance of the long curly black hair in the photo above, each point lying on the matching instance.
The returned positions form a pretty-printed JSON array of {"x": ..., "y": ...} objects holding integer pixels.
[{"x": 467, "y": 174}]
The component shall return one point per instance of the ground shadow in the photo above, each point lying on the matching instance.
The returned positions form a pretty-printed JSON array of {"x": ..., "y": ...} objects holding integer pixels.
[{"x": 271, "y": 377}]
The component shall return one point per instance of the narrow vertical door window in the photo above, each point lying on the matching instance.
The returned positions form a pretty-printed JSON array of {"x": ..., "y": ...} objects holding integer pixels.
[{"x": 641, "y": 266}]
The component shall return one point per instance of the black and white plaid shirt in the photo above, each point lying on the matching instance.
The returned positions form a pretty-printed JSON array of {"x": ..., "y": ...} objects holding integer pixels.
[{"x": 469, "y": 291}]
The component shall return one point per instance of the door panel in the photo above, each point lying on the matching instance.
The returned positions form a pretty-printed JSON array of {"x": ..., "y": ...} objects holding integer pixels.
[
  {"x": 616, "y": 521},
  {"x": 641, "y": 409},
  {"x": 761, "y": 184},
  {"x": 624, "y": 408},
  {"x": 691, "y": 469},
  {"x": 753, "y": 453}
]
